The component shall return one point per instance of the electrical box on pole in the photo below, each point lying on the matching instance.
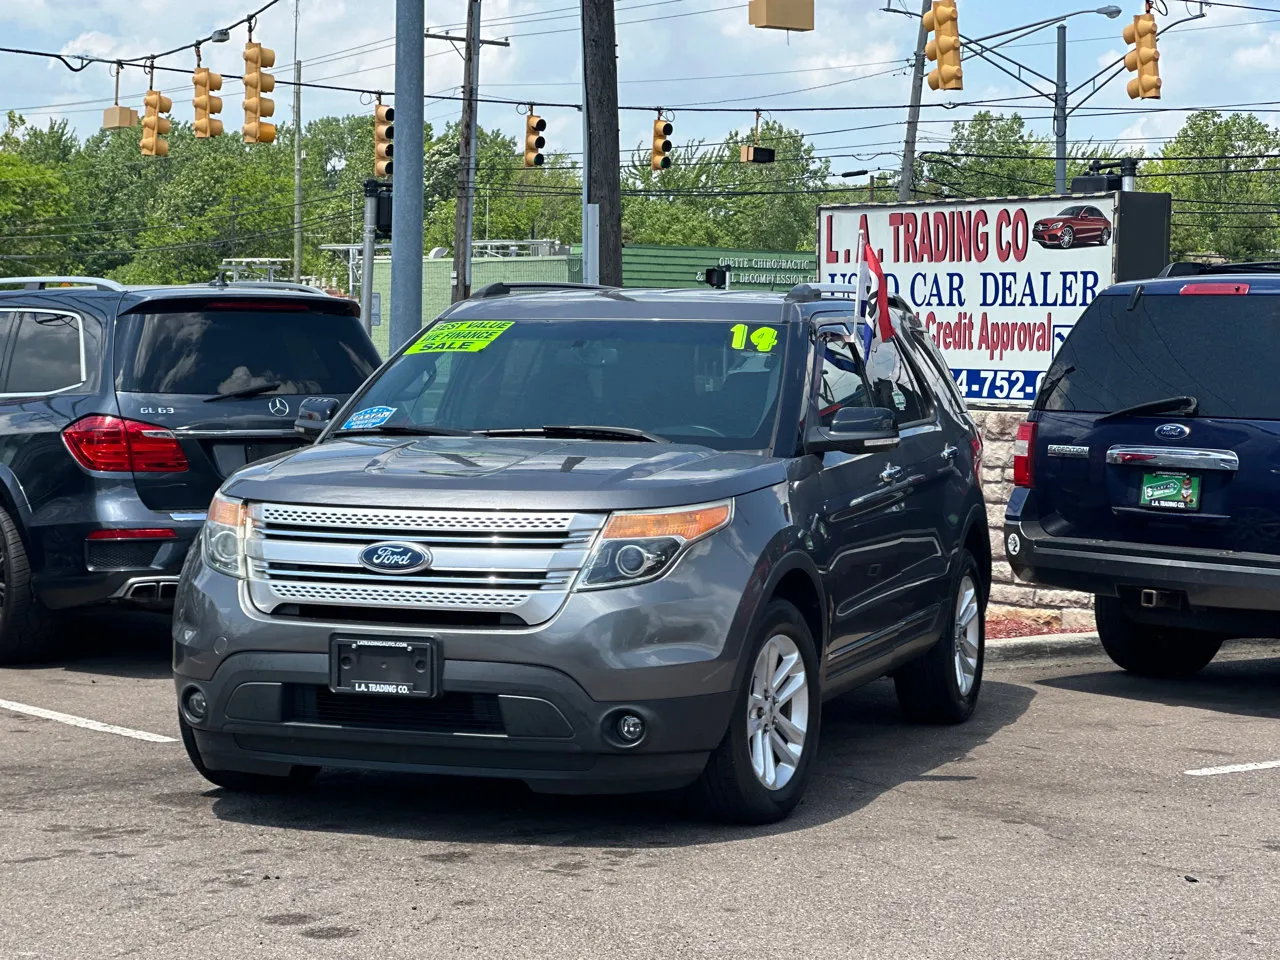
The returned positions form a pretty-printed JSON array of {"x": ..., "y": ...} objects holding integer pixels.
[{"x": 781, "y": 14}]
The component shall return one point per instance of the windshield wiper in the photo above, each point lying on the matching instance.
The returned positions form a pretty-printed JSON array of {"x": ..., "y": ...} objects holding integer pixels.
[
  {"x": 1187, "y": 406},
  {"x": 402, "y": 430},
  {"x": 246, "y": 392},
  {"x": 585, "y": 432}
]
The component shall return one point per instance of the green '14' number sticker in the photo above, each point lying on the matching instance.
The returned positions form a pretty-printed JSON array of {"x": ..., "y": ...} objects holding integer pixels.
[{"x": 764, "y": 339}]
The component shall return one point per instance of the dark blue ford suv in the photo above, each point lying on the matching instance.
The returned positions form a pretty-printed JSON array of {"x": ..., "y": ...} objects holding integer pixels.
[
  {"x": 1148, "y": 471},
  {"x": 121, "y": 412}
]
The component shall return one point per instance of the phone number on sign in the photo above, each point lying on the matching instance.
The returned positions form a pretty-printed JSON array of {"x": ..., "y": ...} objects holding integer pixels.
[{"x": 999, "y": 384}]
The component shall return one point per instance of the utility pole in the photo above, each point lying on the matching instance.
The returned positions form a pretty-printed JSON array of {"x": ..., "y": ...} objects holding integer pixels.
[
  {"x": 603, "y": 164},
  {"x": 1060, "y": 112},
  {"x": 297, "y": 169},
  {"x": 366, "y": 259},
  {"x": 407, "y": 183},
  {"x": 907, "y": 180},
  {"x": 464, "y": 216}
]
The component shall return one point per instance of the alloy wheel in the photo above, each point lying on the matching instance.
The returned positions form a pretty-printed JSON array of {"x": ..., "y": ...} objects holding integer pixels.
[
  {"x": 777, "y": 712},
  {"x": 967, "y": 634},
  {"x": 1067, "y": 239}
]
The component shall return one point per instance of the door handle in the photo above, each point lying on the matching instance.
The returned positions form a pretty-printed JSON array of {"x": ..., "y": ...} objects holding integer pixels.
[
  {"x": 890, "y": 473},
  {"x": 949, "y": 452}
]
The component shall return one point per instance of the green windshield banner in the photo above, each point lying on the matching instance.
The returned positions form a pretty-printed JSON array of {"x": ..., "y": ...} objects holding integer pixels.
[{"x": 460, "y": 336}]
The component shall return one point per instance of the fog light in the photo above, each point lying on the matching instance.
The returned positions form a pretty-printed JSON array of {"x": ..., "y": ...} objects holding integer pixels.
[
  {"x": 195, "y": 703},
  {"x": 630, "y": 728}
]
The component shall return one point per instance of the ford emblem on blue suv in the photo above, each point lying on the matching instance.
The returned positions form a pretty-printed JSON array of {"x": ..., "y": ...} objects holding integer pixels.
[
  {"x": 395, "y": 558},
  {"x": 1173, "y": 431}
]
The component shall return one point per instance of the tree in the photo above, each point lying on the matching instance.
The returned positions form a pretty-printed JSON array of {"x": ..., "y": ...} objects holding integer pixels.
[
  {"x": 708, "y": 197},
  {"x": 34, "y": 200},
  {"x": 1227, "y": 198}
]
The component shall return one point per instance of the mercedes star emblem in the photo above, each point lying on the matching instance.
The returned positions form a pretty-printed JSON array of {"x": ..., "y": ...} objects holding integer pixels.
[{"x": 279, "y": 406}]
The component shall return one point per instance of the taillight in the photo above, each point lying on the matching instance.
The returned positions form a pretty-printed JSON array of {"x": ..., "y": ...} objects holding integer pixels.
[
  {"x": 123, "y": 446},
  {"x": 134, "y": 533},
  {"x": 1024, "y": 455}
]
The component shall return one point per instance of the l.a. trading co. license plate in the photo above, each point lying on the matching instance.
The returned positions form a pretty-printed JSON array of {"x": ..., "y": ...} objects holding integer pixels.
[
  {"x": 398, "y": 668},
  {"x": 1170, "y": 491}
]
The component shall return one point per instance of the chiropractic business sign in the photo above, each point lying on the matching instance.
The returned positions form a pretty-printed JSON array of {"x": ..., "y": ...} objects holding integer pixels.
[{"x": 998, "y": 284}]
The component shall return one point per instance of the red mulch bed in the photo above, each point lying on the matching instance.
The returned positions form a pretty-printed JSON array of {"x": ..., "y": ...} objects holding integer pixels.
[{"x": 1001, "y": 628}]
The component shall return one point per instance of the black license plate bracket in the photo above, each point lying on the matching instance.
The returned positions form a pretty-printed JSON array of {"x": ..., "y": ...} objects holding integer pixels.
[{"x": 385, "y": 666}]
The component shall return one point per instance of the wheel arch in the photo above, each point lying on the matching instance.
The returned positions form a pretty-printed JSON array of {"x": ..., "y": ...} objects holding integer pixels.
[{"x": 977, "y": 540}]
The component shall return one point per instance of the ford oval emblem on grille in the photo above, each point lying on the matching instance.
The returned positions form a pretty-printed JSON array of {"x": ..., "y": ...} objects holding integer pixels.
[
  {"x": 395, "y": 557},
  {"x": 1173, "y": 431}
]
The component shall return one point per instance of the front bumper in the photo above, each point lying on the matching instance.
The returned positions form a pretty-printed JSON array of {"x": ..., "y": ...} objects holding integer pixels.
[
  {"x": 1208, "y": 579},
  {"x": 270, "y": 711}
]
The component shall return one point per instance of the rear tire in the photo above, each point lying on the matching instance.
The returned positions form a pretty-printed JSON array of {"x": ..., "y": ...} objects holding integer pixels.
[
  {"x": 1149, "y": 650},
  {"x": 28, "y": 630},
  {"x": 732, "y": 787},
  {"x": 942, "y": 686},
  {"x": 238, "y": 782}
]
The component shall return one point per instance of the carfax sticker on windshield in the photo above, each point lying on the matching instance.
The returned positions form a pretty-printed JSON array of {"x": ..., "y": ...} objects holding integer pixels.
[
  {"x": 368, "y": 418},
  {"x": 460, "y": 336}
]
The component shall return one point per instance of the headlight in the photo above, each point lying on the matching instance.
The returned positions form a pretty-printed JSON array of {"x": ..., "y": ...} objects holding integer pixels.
[
  {"x": 1056, "y": 225},
  {"x": 223, "y": 535},
  {"x": 635, "y": 547}
]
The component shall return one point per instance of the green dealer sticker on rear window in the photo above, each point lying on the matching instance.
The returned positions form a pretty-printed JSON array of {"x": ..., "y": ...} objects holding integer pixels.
[{"x": 460, "y": 336}]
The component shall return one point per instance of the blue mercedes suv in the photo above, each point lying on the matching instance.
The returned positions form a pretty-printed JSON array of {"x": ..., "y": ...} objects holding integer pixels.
[{"x": 1148, "y": 471}]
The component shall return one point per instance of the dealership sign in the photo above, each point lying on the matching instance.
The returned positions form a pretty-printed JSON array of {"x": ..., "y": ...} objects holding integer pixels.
[{"x": 997, "y": 284}]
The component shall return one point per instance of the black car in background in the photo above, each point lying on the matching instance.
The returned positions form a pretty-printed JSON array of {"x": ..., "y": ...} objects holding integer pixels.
[{"x": 121, "y": 412}]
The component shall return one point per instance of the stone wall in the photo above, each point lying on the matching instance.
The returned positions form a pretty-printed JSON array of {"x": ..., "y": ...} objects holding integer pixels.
[{"x": 1010, "y": 597}]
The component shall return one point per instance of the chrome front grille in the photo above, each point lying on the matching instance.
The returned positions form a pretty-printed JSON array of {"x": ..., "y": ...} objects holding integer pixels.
[{"x": 508, "y": 562}]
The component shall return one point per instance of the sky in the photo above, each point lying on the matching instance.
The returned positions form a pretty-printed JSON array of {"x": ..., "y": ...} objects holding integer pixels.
[{"x": 681, "y": 55}]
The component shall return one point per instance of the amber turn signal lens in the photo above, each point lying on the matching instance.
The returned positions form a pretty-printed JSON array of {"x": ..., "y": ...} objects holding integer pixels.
[
  {"x": 229, "y": 513},
  {"x": 686, "y": 524}
]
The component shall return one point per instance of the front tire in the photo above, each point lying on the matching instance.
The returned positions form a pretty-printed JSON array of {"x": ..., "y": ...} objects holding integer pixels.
[
  {"x": 1152, "y": 651},
  {"x": 758, "y": 772},
  {"x": 1067, "y": 239},
  {"x": 238, "y": 782},
  {"x": 28, "y": 630},
  {"x": 942, "y": 686}
]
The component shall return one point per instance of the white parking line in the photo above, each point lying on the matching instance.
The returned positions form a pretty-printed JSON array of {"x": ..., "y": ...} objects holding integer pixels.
[
  {"x": 1234, "y": 768},
  {"x": 82, "y": 722}
]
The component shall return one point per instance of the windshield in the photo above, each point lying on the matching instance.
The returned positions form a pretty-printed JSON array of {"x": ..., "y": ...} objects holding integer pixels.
[
  {"x": 218, "y": 351},
  {"x": 1220, "y": 350},
  {"x": 706, "y": 382}
]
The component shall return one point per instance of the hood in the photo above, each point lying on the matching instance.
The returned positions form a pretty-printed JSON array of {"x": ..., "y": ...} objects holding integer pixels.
[{"x": 527, "y": 474}]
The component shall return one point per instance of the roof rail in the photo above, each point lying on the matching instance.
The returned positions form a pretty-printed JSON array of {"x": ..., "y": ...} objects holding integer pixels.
[
  {"x": 1192, "y": 268},
  {"x": 808, "y": 292},
  {"x": 221, "y": 282},
  {"x": 43, "y": 283},
  {"x": 504, "y": 289}
]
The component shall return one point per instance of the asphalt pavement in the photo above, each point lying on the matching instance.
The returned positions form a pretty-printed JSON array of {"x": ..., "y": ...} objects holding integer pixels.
[{"x": 1061, "y": 822}]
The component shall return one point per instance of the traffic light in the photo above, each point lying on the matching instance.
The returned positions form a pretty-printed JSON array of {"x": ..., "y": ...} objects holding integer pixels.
[
  {"x": 660, "y": 158},
  {"x": 256, "y": 83},
  {"x": 206, "y": 104},
  {"x": 943, "y": 21},
  {"x": 384, "y": 131},
  {"x": 154, "y": 126},
  {"x": 534, "y": 141},
  {"x": 1143, "y": 59}
]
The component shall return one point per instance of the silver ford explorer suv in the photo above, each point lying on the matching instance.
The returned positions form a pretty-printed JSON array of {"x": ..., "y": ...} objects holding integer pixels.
[{"x": 597, "y": 540}]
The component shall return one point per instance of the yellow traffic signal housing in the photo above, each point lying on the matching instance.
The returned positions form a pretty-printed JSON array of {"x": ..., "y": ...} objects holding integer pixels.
[
  {"x": 154, "y": 126},
  {"x": 384, "y": 131},
  {"x": 660, "y": 158},
  {"x": 258, "y": 82},
  {"x": 1143, "y": 59},
  {"x": 534, "y": 141},
  {"x": 943, "y": 21},
  {"x": 206, "y": 81}
]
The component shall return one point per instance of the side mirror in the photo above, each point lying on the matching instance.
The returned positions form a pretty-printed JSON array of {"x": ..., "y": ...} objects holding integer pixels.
[
  {"x": 855, "y": 430},
  {"x": 314, "y": 415}
]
